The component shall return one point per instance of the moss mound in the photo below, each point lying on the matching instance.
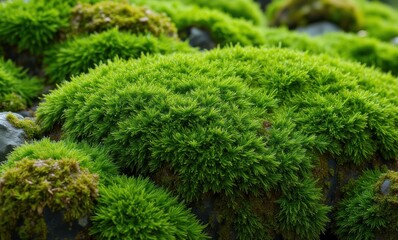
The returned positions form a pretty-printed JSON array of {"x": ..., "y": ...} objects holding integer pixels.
[
  {"x": 30, "y": 186},
  {"x": 369, "y": 210},
  {"x": 17, "y": 90},
  {"x": 136, "y": 207},
  {"x": 95, "y": 159},
  {"x": 233, "y": 125},
  {"x": 369, "y": 51},
  {"x": 223, "y": 29},
  {"x": 78, "y": 55},
  {"x": 29, "y": 25},
  {"x": 295, "y": 13},
  {"x": 87, "y": 18}
]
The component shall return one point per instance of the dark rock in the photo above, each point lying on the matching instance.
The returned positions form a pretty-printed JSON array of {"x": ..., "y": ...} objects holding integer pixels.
[
  {"x": 394, "y": 41},
  {"x": 10, "y": 137},
  {"x": 319, "y": 28},
  {"x": 201, "y": 39},
  {"x": 385, "y": 187},
  {"x": 264, "y": 3}
]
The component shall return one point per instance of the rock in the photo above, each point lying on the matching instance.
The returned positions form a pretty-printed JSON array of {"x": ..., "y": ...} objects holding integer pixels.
[
  {"x": 264, "y": 3},
  {"x": 200, "y": 38},
  {"x": 385, "y": 187},
  {"x": 395, "y": 41},
  {"x": 319, "y": 28},
  {"x": 10, "y": 137}
]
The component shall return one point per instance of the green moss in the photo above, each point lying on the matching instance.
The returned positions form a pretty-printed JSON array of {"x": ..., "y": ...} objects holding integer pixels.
[
  {"x": 30, "y": 186},
  {"x": 95, "y": 159},
  {"x": 295, "y": 13},
  {"x": 245, "y": 9},
  {"x": 367, "y": 212},
  {"x": 223, "y": 29},
  {"x": 136, "y": 207},
  {"x": 369, "y": 51},
  {"x": 17, "y": 90},
  {"x": 29, "y": 25},
  {"x": 29, "y": 126},
  {"x": 80, "y": 54},
  {"x": 101, "y": 16}
]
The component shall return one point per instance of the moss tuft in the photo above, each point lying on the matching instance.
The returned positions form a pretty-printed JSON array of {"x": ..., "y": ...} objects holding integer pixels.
[
  {"x": 78, "y": 55},
  {"x": 30, "y": 186},
  {"x": 136, "y": 207},
  {"x": 101, "y": 16}
]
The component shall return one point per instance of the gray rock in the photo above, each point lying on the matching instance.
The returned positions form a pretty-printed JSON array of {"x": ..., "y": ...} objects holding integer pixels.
[
  {"x": 385, "y": 187},
  {"x": 319, "y": 28},
  {"x": 395, "y": 41},
  {"x": 200, "y": 38},
  {"x": 10, "y": 137}
]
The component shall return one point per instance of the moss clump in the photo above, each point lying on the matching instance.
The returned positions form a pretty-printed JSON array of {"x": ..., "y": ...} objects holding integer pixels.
[
  {"x": 295, "y": 13},
  {"x": 369, "y": 210},
  {"x": 136, "y": 207},
  {"x": 369, "y": 51},
  {"x": 101, "y": 16},
  {"x": 30, "y": 186},
  {"x": 223, "y": 29},
  {"x": 29, "y": 25},
  {"x": 245, "y": 9},
  {"x": 95, "y": 159},
  {"x": 30, "y": 127},
  {"x": 17, "y": 90},
  {"x": 78, "y": 55}
]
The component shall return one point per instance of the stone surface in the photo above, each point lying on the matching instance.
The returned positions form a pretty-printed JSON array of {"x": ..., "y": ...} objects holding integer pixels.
[
  {"x": 319, "y": 28},
  {"x": 201, "y": 39},
  {"x": 10, "y": 137},
  {"x": 394, "y": 41},
  {"x": 385, "y": 187}
]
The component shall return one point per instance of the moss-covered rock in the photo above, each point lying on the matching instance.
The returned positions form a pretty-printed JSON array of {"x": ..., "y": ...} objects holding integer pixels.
[
  {"x": 78, "y": 55},
  {"x": 29, "y": 126},
  {"x": 89, "y": 18},
  {"x": 223, "y": 29},
  {"x": 369, "y": 210},
  {"x": 17, "y": 90},
  {"x": 294, "y": 13},
  {"x": 136, "y": 207},
  {"x": 31, "y": 186},
  {"x": 241, "y": 126}
]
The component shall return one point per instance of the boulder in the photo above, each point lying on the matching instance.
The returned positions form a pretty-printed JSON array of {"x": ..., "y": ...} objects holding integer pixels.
[{"x": 319, "y": 28}]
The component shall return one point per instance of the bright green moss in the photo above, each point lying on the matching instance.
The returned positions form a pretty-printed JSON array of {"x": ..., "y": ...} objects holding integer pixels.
[
  {"x": 137, "y": 209},
  {"x": 294, "y": 13},
  {"x": 78, "y": 55},
  {"x": 29, "y": 126},
  {"x": 245, "y": 9},
  {"x": 223, "y": 29},
  {"x": 17, "y": 90},
  {"x": 369, "y": 211},
  {"x": 101, "y": 16},
  {"x": 232, "y": 123},
  {"x": 95, "y": 159},
  {"x": 31, "y": 186},
  {"x": 29, "y": 25},
  {"x": 369, "y": 51}
]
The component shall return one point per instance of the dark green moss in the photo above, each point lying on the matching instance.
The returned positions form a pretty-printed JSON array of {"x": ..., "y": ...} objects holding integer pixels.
[
  {"x": 17, "y": 90},
  {"x": 81, "y": 54}
]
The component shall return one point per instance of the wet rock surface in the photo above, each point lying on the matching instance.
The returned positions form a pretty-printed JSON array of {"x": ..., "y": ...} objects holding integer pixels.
[
  {"x": 10, "y": 137},
  {"x": 319, "y": 28},
  {"x": 201, "y": 39}
]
